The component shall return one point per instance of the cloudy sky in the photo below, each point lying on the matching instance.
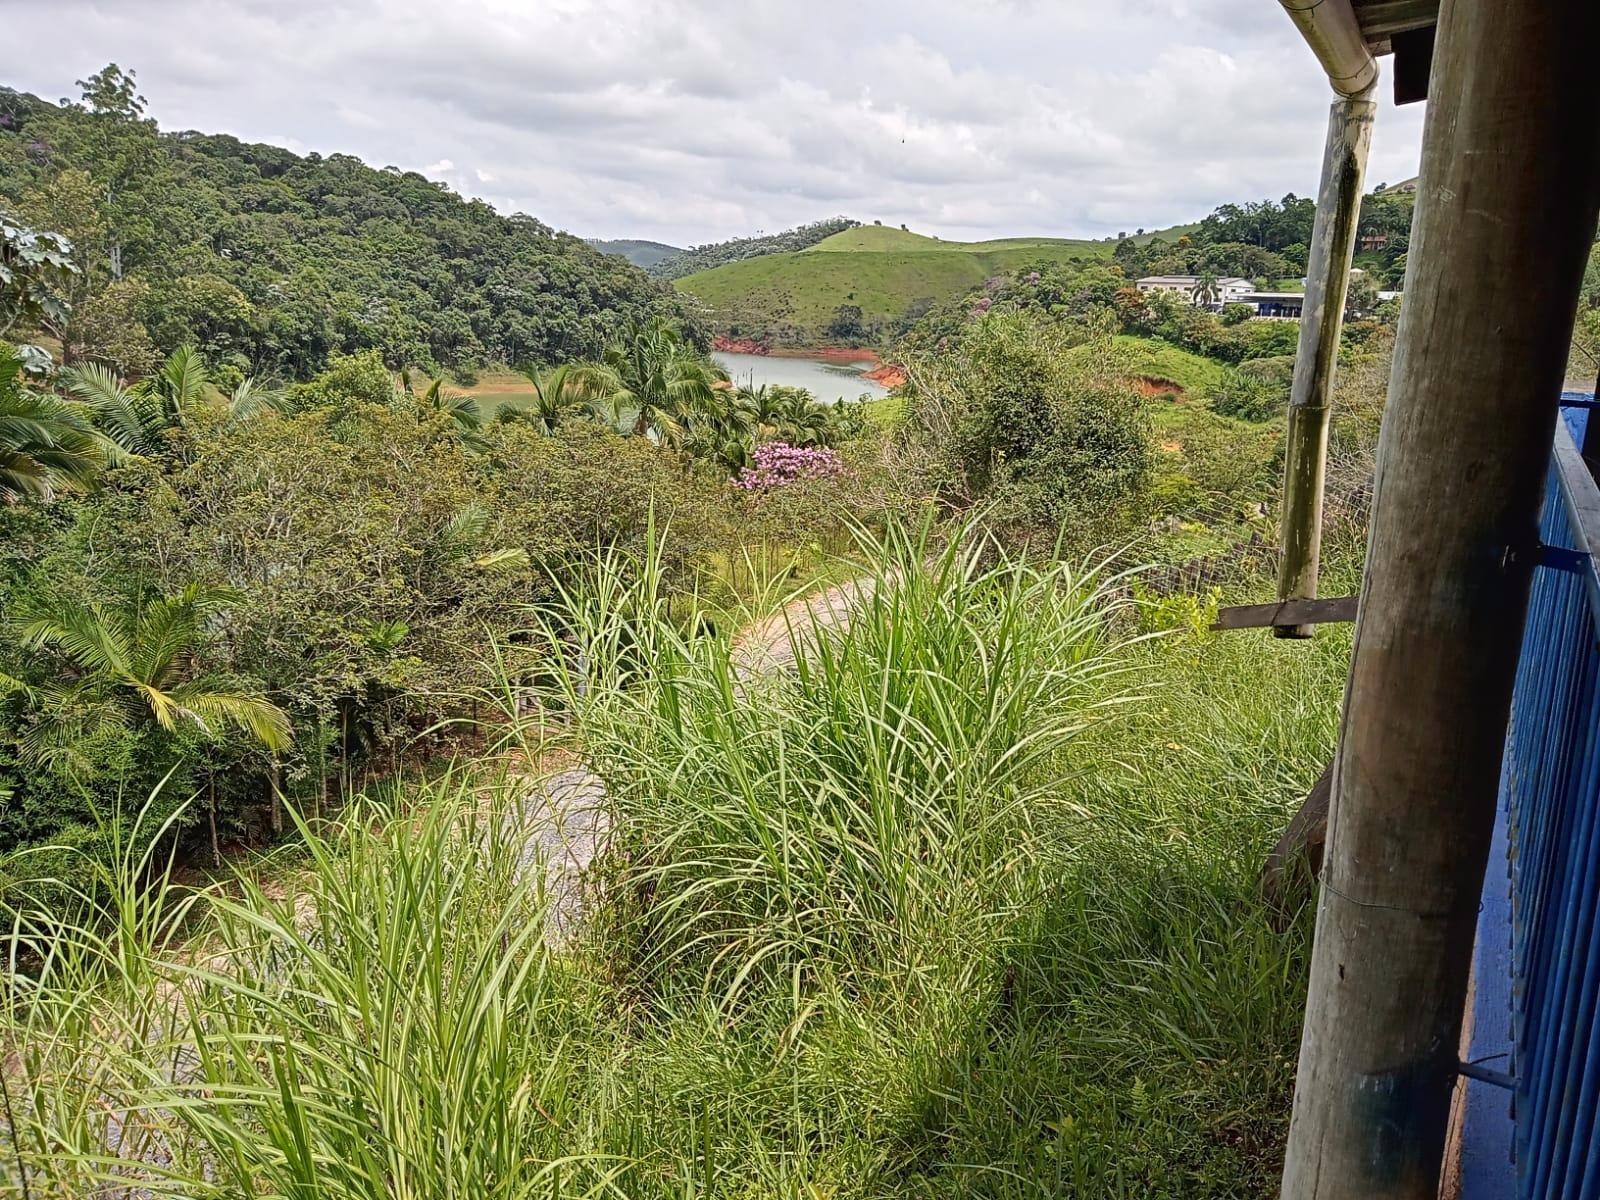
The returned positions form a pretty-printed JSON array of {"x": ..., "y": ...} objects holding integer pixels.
[{"x": 695, "y": 120}]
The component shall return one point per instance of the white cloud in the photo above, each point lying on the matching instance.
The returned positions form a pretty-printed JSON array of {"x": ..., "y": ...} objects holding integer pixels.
[
  {"x": 692, "y": 120},
  {"x": 354, "y": 116}
]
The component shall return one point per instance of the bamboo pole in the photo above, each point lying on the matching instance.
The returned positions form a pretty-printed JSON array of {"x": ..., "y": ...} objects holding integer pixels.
[
  {"x": 1509, "y": 194},
  {"x": 1333, "y": 242}
]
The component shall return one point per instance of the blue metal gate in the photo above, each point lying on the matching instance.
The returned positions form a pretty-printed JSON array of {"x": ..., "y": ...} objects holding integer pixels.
[{"x": 1552, "y": 786}]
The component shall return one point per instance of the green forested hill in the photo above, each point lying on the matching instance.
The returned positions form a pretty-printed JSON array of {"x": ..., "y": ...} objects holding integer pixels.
[
  {"x": 639, "y": 253},
  {"x": 272, "y": 260}
]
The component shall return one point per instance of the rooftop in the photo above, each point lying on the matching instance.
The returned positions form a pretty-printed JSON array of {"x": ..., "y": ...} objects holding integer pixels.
[{"x": 1189, "y": 280}]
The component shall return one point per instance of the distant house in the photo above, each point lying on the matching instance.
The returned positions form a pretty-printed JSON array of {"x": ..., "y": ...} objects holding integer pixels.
[{"x": 1229, "y": 288}]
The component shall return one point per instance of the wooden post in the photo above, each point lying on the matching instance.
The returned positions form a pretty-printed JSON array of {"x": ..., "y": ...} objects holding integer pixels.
[
  {"x": 1333, "y": 242},
  {"x": 1507, "y": 205}
]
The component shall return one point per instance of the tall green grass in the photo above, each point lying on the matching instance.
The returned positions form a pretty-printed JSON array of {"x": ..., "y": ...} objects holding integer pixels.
[{"x": 934, "y": 911}]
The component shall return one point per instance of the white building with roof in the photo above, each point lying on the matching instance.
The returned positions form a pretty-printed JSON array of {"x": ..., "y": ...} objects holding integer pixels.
[{"x": 1229, "y": 288}]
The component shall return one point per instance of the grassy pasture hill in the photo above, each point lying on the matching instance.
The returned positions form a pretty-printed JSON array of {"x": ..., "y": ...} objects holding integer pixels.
[{"x": 880, "y": 270}]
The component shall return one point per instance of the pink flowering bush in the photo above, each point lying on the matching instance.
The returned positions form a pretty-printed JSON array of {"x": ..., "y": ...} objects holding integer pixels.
[{"x": 780, "y": 465}]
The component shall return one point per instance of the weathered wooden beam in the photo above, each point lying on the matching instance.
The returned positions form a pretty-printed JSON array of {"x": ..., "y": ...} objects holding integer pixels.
[
  {"x": 1287, "y": 612},
  {"x": 1413, "y": 64},
  {"x": 1333, "y": 243},
  {"x": 1510, "y": 188},
  {"x": 1380, "y": 19}
]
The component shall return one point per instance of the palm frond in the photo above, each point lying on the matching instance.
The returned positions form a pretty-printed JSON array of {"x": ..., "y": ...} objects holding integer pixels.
[
  {"x": 463, "y": 531},
  {"x": 183, "y": 381},
  {"x": 248, "y": 712},
  {"x": 116, "y": 409},
  {"x": 86, "y": 635},
  {"x": 10, "y": 685},
  {"x": 253, "y": 397},
  {"x": 164, "y": 632},
  {"x": 66, "y": 716}
]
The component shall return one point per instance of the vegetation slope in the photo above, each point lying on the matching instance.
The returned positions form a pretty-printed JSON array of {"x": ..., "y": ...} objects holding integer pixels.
[
  {"x": 964, "y": 905},
  {"x": 716, "y": 254},
  {"x": 639, "y": 252},
  {"x": 271, "y": 261},
  {"x": 883, "y": 273}
]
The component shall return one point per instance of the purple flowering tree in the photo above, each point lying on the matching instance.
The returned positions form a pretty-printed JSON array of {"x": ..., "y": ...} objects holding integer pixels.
[{"x": 780, "y": 465}]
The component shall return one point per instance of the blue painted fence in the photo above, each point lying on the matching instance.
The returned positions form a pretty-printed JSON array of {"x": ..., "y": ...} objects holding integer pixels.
[{"x": 1552, "y": 792}]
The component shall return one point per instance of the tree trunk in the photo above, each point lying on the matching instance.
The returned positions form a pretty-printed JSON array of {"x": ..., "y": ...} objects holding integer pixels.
[{"x": 211, "y": 812}]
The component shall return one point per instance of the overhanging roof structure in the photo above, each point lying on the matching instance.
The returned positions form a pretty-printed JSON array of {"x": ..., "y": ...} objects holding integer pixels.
[{"x": 1347, "y": 36}]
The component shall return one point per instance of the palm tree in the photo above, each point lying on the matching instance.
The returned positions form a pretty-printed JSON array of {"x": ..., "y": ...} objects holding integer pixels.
[
  {"x": 561, "y": 392},
  {"x": 763, "y": 407},
  {"x": 461, "y": 409},
  {"x": 140, "y": 418},
  {"x": 131, "y": 662},
  {"x": 1206, "y": 291},
  {"x": 466, "y": 419},
  {"x": 44, "y": 442},
  {"x": 805, "y": 418},
  {"x": 662, "y": 380},
  {"x": 727, "y": 437}
]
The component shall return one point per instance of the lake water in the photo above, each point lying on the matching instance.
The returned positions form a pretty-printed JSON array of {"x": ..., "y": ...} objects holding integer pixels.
[{"x": 827, "y": 381}]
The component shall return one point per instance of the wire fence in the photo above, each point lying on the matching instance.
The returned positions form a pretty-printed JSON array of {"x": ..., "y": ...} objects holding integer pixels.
[{"x": 1241, "y": 541}]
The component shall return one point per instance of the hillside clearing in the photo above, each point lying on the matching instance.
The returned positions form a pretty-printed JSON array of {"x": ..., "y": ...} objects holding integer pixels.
[{"x": 1197, "y": 377}]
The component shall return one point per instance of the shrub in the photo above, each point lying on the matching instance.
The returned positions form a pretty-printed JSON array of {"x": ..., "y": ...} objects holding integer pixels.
[
  {"x": 780, "y": 465},
  {"x": 374, "y": 555},
  {"x": 1057, "y": 443},
  {"x": 1257, "y": 390}
]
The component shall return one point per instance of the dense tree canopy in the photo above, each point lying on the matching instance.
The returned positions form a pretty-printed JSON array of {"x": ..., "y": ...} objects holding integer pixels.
[{"x": 270, "y": 261}]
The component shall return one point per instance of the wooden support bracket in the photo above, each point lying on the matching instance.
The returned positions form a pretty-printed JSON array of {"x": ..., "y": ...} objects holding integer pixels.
[{"x": 1288, "y": 613}]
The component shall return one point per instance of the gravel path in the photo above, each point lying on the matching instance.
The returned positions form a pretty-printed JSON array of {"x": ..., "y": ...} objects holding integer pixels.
[{"x": 567, "y": 820}]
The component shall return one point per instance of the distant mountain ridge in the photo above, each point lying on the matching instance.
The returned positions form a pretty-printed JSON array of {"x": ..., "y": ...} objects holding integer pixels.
[
  {"x": 639, "y": 252},
  {"x": 716, "y": 254}
]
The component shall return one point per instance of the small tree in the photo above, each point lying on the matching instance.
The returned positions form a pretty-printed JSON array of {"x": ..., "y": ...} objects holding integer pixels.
[
  {"x": 1362, "y": 296},
  {"x": 43, "y": 441},
  {"x": 36, "y": 270},
  {"x": 1052, "y": 434},
  {"x": 131, "y": 662},
  {"x": 847, "y": 323}
]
